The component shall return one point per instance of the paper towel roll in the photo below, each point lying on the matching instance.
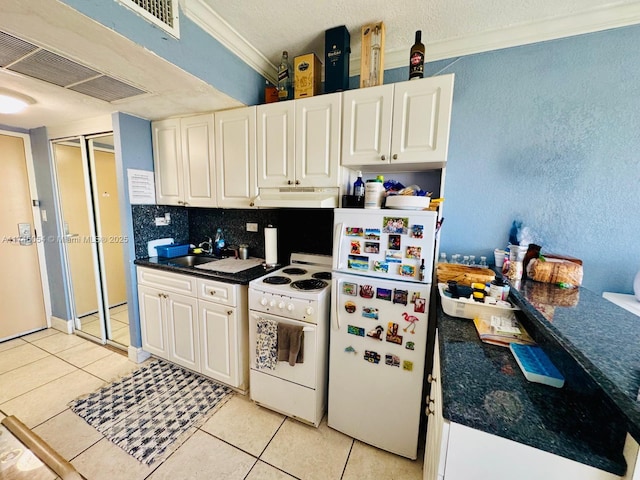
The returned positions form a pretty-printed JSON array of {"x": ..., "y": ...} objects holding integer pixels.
[{"x": 270, "y": 245}]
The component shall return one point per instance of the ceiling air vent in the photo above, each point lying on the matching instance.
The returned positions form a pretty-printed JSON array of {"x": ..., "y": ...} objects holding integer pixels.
[{"x": 163, "y": 13}]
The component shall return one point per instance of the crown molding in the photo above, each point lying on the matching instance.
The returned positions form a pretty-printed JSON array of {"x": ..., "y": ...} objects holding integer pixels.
[
  {"x": 207, "y": 19},
  {"x": 595, "y": 20}
]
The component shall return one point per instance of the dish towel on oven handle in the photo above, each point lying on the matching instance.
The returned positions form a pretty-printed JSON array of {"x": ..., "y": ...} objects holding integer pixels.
[
  {"x": 290, "y": 344},
  {"x": 266, "y": 344}
]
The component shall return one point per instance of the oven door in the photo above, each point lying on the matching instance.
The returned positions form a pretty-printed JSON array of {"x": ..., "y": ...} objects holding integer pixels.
[{"x": 302, "y": 373}]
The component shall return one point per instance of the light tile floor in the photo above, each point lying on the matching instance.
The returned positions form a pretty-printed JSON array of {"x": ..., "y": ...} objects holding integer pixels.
[
  {"x": 119, "y": 316},
  {"x": 40, "y": 373}
]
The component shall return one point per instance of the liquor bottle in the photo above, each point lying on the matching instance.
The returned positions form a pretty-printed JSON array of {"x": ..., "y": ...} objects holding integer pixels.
[
  {"x": 421, "y": 271},
  {"x": 285, "y": 89},
  {"x": 416, "y": 59},
  {"x": 358, "y": 186}
]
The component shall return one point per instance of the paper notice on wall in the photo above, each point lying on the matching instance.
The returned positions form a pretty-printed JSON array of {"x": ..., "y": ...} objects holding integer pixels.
[{"x": 142, "y": 190}]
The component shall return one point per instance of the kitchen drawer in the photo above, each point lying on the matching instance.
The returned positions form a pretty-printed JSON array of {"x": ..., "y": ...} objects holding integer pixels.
[
  {"x": 167, "y": 281},
  {"x": 218, "y": 292}
]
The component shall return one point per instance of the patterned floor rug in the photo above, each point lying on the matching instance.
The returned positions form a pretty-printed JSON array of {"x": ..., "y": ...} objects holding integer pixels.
[{"x": 152, "y": 411}]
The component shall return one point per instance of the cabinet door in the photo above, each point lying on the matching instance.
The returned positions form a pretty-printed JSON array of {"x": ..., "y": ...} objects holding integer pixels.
[
  {"x": 421, "y": 119},
  {"x": 152, "y": 326},
  {"x": 218, "y": 340},
  {"x": 275, "y": 144},
  {"x": 366, "y": 129},
  {"x": 236, "y": 157},
  {"x": 318, "y": 140},
  {"x": 198, "y": 160},
  {"x": 167, "y": 162},
  {"x": 182, "y": 330}
]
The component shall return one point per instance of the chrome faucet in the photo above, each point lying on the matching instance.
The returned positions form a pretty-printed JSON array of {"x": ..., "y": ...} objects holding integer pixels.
[{"x": 209, "y": 249}]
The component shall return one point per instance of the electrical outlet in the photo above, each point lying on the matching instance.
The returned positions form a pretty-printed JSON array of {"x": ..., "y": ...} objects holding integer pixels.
[
  {"x": 161, "y": 221},
  {"x": 252, "y": 227}
]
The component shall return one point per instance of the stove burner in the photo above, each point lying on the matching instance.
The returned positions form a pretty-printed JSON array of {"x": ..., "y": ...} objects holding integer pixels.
[
  {"x": 309, "y": 284},
  {"x": 277, "y": 280},
  {"x": 294, "y": 271},
  {"x": 322, "y": 275}
]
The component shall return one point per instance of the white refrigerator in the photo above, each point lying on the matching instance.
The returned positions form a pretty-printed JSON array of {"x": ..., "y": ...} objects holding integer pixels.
[{"x": 379, "y": 312}]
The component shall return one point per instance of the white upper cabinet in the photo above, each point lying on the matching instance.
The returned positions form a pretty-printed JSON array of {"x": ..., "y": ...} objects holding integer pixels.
[
  {"x": 183, "y": 150},
  {"x": 235, "y": 133},
  {"x": 401, "y": 126},
  {"x": 298, "y": 142}
]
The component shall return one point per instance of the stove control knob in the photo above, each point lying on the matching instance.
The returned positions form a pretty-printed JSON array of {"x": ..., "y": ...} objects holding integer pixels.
[
  {"x": 290, "y": 307},
  {"x": 272, "y": 303},
  {"x": 263, "y": 301},
  {"x": 309, "y": 310},
  {"x": 281, "y": 305}
]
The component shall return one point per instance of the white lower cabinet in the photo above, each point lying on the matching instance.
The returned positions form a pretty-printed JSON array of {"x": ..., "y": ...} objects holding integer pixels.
[
  {"x": 457, "y": 452},
  {"x": 197, "y": 323}
]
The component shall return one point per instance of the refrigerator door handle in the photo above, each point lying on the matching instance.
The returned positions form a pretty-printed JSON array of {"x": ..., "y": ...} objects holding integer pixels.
[
  {"x": 337, "y": 244},
  {"x": 334, "y": 306}
]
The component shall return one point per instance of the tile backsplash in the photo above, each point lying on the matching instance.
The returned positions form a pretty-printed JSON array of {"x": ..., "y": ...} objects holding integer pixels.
[{"x": 299, "y": 230}]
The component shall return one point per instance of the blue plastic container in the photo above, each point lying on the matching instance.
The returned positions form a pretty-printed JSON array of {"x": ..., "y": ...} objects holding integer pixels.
[{"x": 171, "y": 251}]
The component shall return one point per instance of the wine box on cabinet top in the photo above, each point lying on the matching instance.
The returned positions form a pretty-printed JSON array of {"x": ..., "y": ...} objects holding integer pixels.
[
  {"x": 337, "y": 51},
  {"x": 372, "y": 55},
  {"x": 307, "y": 71}
]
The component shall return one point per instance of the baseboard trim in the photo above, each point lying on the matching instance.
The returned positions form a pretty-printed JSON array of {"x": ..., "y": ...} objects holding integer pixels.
[
  {"x": 65, "y": 326},
  {"x": 137, "y": 354}
]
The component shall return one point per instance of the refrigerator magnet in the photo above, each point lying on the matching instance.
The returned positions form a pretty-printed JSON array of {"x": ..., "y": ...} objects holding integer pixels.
[
  {"x": 376, "y": 333},
  {"x": 400, "y": 296},
  {"x": 407, "y": 365},
  {"x": 349, "y": 288},
  {"x": 410, "y": 345},
  {"x": 350, "y": 307},
  {"x": 355, "y": 247},
  {"x": 383, "y": 294},
  {"x": 392, "y": 334},
  {"x": 372, "y": 234},
  {"x": 350, "y": 349},
  {"x": 394, "y": 243},
  {"x": 413, "y": 252},
  {"x": 366, "y": 291},
  {"x": 371, "y": 247},
  {"x": 393, "y": 256},
  {"x": 414, "y": 296},
  {"x": 395, "y": 225},
  {"x": 356, "y": 262},
  {"x": 407, "y": 270},
  {"x": 411, "y": 325},
  {"x": 419, "y": 305},
  {"x": 380, "y": 266},
  {"x": 370, "y": 312},
  {"x": 353, "y": 330},
  {"x": 371, "y": 356},
  {"x": 354, "y": 232},
  {"x": 392, "y": 360},
  {"x": 417, "y": 231}
]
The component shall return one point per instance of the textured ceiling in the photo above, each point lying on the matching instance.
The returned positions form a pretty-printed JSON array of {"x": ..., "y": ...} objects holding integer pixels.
[{"x": 263, "y": 29}]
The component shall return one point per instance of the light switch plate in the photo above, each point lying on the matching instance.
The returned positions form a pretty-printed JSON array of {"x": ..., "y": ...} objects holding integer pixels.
[
  {"x": 252, "y": 227},
  {"x": 24, "y": 233}
]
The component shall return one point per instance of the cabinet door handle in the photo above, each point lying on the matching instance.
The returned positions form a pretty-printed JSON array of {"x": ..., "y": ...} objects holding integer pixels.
[
  {"x": 395, "y": 156},
  {"x": 212, "y": 292},
  {"x": 288, "y": 182},
  {"x": 383, "y": 158},
  {"x": 297, "y": 182},
  {"x": 229, "y": 312}
]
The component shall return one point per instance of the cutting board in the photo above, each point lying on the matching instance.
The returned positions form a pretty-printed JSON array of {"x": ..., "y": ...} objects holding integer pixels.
[{"x": 231, "y": 265}]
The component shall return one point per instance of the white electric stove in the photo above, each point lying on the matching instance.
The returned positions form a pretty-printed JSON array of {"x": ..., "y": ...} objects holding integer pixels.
[{"x": 297, "y": 295}]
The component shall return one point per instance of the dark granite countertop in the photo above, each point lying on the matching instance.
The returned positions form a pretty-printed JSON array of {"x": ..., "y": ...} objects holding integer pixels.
[
  {"x": 242, "y": 278},
  {"x": 483, "y": 388}
]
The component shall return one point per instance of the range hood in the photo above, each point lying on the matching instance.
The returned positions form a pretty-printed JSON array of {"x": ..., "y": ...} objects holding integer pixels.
[{"x": 297, "y": 197}]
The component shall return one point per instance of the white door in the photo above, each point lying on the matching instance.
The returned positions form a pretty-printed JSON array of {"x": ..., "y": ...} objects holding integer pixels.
[
  {"x": 218, "y": 342},
  {"x": 236, "y": 157},
  {"x": 301, "y": 373},
  {"x": 318, "y": 140},
  {"x": 182, "y": 330},
  {"x": 366, "y": 130},
  {"x": 275, "y": 144},
  {"x": 421, "y": 120},
  {"x": 167, "y": 162},
  {"x": 21, "y": 295},
  {"x": 198, "y": 160},
  {"x": 152, "y": 321}
]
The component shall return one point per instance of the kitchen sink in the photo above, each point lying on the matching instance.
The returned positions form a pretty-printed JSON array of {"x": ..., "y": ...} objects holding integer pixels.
[{"x": 191, "y": 260}]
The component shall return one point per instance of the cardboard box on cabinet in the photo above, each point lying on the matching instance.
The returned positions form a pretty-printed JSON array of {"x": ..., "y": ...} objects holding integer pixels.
[{"x": 307, "y": 70}]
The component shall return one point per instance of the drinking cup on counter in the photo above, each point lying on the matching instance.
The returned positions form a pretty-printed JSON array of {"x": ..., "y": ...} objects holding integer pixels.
[
  {"x": 517, "y": 252},
  {"x": 499, "y": 257}
]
